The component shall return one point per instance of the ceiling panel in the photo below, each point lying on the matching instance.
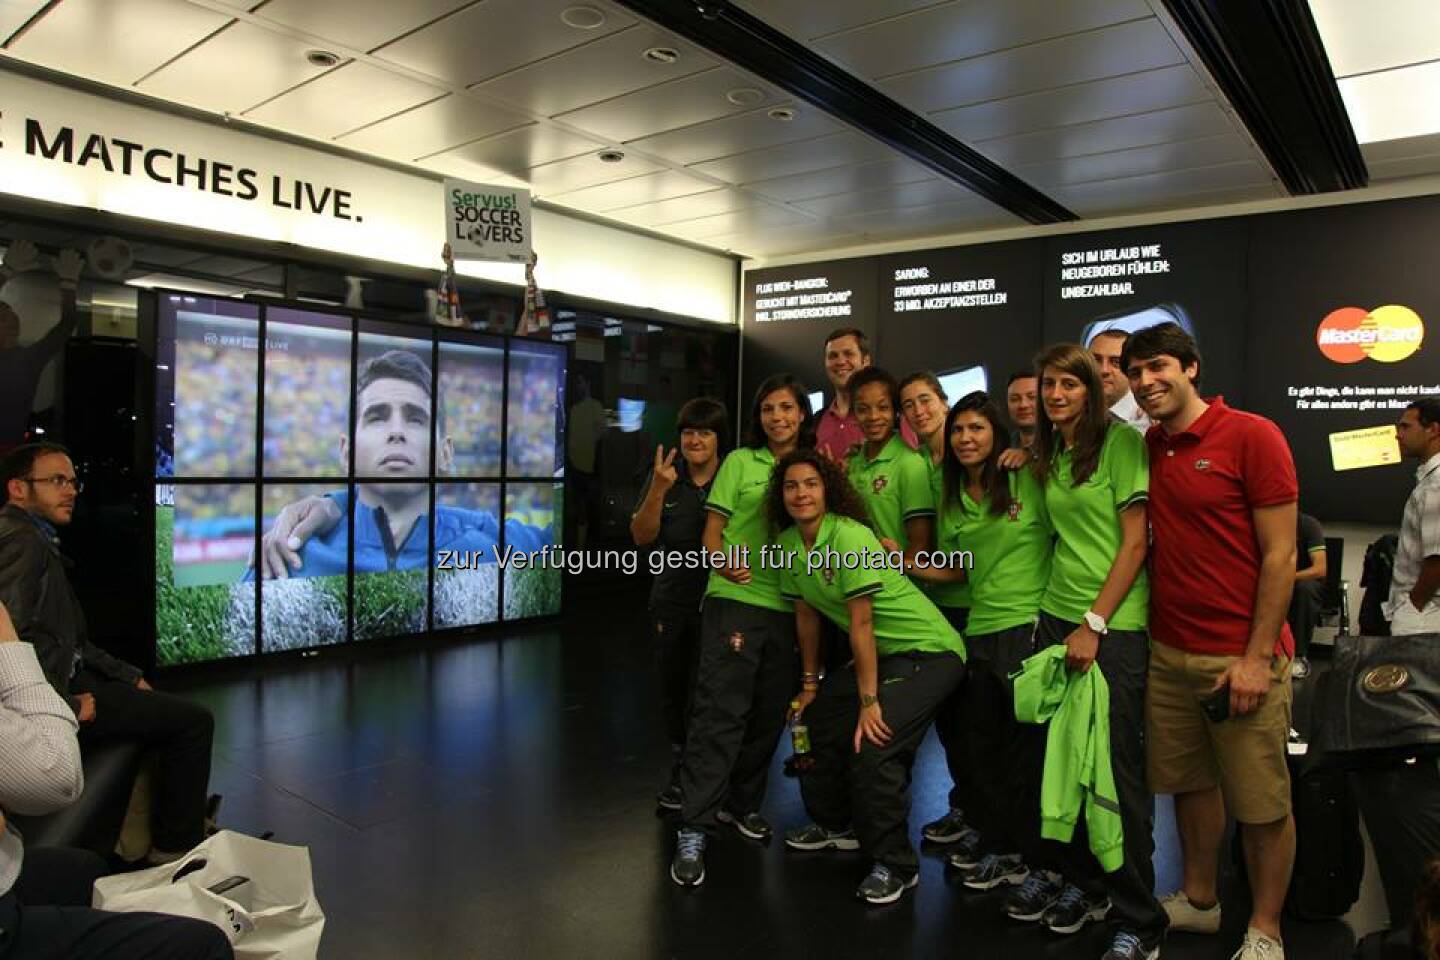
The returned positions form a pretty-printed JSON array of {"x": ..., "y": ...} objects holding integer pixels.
[
  {"x": 957, "y": 31},
  {"x": 589, "y": 170},
  {"x": 750, "y": 219},
  {"x": 957, "y": 216},
  {"x": 1104, "y": 136},
  {"x": 825, "y": 183},
  {"x": 684, "y": 208},
  {"x": 793, "y": 158},
  {"x": 1139, "y": 162},
  {"x": 436, "y": 126},
  {"x": 357, "y": 24},
  {"x": 1410, "y": 34},
  {"x": 669, "y": 106},
  {"x": 731, "y": 135},
  {"x": 1127, "y": 48},
  {"x": 609, "y": 67},
  {"x": 138, "y": 36},
  {"x": 650, "y": 188},
  {"x": 517, "y": 151},
  {"x": 238, "y": 68},
  {"x": 15, "y": 13},
  {"x": 1079, "y": 103},
  {"x": 1408, "y": 157},
  {"x": 346, "y": 97},
  {"x": 1160, "y": 189},
  {"x": 888, "y": 198},
  {"x": 487, "y": 39},
  {"x": 806, "y": 19}
]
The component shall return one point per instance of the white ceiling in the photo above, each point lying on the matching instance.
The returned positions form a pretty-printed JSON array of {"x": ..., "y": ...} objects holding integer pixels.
[
  {"x": 1386, "y": 57},
  {"x": 1094, "y": 102}
]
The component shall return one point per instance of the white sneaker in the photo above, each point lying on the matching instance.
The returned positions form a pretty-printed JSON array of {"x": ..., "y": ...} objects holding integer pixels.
[
  {"x": 1186, "y": 917},
  {"x": 1258, "y": 946}
]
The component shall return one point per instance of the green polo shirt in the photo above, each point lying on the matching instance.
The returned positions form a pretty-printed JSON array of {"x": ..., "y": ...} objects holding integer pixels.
[
  {"x": 1011, "y": 553},
  {"x": 944, "y": 594},
  {"x": 895, "y": 487},
  {"x": 1087, "y": 524},
  {"x": 738, "y": 495},
  {"x": 905, "y": 620}
]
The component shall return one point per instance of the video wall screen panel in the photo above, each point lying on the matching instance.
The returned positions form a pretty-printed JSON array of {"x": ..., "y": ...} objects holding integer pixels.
[{"x": 353, "y": 480}]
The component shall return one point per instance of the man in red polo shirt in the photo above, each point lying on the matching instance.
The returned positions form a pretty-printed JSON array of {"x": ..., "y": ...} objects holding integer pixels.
[
  {"x": 1222, "y": 518},
  {"x": 847, "y": 352}
]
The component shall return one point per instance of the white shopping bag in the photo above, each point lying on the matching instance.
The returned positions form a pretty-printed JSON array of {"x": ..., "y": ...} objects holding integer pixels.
[{"x": 259, "y": 893}]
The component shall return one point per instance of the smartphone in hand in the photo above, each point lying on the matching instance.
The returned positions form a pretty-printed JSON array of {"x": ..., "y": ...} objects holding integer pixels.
[{"x": 1217, "y": 704}]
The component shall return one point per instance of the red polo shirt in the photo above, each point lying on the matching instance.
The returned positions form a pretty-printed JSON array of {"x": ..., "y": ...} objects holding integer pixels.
[{"x": 1205, "y": 558}]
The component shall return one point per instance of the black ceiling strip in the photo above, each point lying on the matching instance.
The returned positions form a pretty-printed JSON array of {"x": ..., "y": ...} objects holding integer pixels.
[
  {"x": 1269, "y": 60},
  {"x": 734, "y": 35}
]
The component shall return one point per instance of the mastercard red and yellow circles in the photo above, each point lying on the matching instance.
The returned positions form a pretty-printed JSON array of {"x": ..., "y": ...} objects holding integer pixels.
[{"x": 1388, "y": 334}]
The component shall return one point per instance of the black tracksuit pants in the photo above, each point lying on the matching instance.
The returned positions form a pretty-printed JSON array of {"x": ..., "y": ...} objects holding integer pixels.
[
  {"x": 749, "y": 670},
  {"x": 1005, "y": 754},
  {"x": 1124, "y": 658},
  {"x": 950, "y": 729},
  {"x": 871, "y": 790},
  {"x": 677, "y": 653}
]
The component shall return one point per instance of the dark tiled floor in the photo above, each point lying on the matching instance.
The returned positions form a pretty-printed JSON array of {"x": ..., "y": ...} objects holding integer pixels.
[{"x": 495, "y": 800}]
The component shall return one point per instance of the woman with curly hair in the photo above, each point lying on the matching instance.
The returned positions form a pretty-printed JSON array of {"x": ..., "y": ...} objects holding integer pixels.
[{"x": 868, "y": 718}]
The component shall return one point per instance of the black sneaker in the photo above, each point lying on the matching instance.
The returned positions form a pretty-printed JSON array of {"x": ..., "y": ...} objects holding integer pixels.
[
  {"x": 812, "y": 836},
  {"x": 1127, "y": 946},
  {"x": 669, "y": 798},
  {"x": 882, "y": 886},
  {"x": 688, "y": 867},
  {"x": 947, "y": 829},
  {"x": 1072, "y": 910},
  {"x": 996, "y": 870},
  {"x": 965, "y": 854},
  {"x": 1039, "y": 890},
  {"x": 751, "y": 825}
]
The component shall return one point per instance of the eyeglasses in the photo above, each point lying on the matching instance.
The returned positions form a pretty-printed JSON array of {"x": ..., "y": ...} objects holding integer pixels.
[{"x": 59, "y": 482}]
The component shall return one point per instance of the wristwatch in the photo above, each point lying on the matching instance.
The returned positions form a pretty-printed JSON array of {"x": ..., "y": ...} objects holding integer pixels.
[
  {"x": 1096, "y": 622},
  {"x": 868, "y": 700}
]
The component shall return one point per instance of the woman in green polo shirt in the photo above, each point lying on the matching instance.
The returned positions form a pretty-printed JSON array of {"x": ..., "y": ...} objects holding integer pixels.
[
  {"x": 747, "y": 667},
  {"x": 999, "y": 517},
  {"x": 868, "y": 718},
  {"x": 924, "y": 406},
  {"x": 892, "y": 479},
  {"x": 1096, "y": 480}
]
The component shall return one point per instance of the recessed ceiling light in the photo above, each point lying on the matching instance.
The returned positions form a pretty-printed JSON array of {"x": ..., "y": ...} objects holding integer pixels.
[
  {"x": 661, "y": 55},
  {"x": 321, "y": 58},
  {"x": 611, "y": 156},
  {"x": 744, "y": 96},
  {"x": 582, "y": 17},
  {"x": 783, "y": 114}
]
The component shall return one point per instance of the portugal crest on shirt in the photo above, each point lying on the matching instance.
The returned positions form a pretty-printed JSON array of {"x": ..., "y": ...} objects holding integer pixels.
[
  {"x": 1014, "y": 511},
  {"x": 879, "y": 483},
  {"x": 828, "y": 575}
]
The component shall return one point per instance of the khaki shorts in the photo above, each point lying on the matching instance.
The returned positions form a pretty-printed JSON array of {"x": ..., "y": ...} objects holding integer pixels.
[{"x": 1243, "y": 756}]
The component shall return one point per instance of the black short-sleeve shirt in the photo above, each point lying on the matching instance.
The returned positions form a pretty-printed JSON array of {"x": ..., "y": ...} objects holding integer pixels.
[{"x": 677, "y": 592}]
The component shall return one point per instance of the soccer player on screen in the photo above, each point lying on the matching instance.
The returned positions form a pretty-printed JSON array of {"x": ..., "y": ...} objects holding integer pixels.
[{"x": 392, "y": 444}]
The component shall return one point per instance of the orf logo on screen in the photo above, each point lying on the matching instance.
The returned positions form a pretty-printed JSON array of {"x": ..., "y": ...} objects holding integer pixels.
[{"x": 1389, "y": 334}]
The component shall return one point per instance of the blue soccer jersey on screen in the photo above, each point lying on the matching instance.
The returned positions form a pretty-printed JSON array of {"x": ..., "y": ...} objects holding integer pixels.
[{"x": 473, "y": 532}]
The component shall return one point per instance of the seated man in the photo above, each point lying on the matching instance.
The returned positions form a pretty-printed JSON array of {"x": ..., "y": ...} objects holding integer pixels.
[
  {"x": 1310, "y": 575},
  {"x": 392, "y": 444},
  {"x": 45, "y": 895},
  {"x": 110, "y": 698}
]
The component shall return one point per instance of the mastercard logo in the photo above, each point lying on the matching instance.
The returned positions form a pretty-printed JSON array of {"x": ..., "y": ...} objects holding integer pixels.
[{"x": 1388, "y": 334}]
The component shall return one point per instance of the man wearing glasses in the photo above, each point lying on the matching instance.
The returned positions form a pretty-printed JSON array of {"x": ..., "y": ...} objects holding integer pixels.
[{"x": 111, "y": 699}]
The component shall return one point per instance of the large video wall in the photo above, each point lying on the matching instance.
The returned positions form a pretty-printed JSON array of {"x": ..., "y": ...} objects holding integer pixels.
[
  {"x": 354, "y": 479},
  {"x": 1314, "y": 318}
]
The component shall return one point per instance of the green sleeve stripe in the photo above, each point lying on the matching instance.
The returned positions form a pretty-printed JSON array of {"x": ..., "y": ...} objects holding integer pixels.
[
  {"x": 865, "y": 589},
  {"x": 786, "y": 594},
  {"x": 716, "y": 508},
  {"x": 920, "y": 512},
  {"x": 1139, "y": 496}
]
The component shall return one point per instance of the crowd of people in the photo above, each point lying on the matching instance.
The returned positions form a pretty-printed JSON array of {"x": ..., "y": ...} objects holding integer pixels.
[{"x": 1119, "y": 627}]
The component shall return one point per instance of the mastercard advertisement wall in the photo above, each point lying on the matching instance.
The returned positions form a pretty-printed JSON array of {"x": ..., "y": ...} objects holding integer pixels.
[{"x": 1318, "y": 319}]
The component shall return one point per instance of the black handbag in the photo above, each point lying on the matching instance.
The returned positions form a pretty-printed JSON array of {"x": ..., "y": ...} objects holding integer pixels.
[{"x": 1379, "y": 703}]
